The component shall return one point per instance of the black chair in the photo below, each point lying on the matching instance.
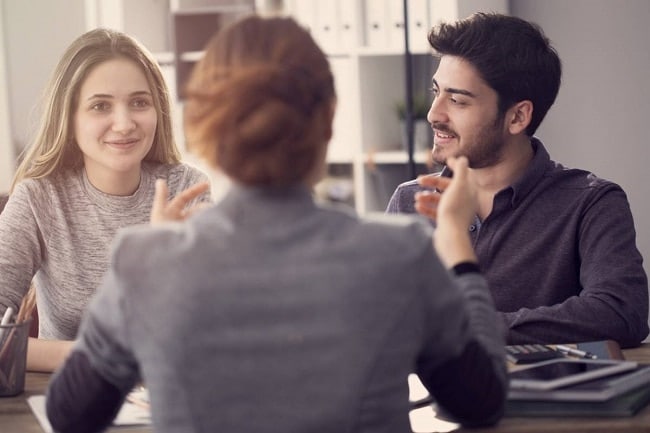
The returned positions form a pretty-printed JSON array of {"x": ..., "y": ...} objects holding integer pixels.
[{"x": 33, "y": 329}]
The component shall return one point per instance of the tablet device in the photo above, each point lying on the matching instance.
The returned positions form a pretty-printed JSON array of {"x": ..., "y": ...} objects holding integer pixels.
[
  {"x": 595, "y": 390},
  {"x": 560, "y": 372}
]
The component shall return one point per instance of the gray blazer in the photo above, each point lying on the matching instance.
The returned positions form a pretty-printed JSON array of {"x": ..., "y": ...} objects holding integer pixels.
[{"x": 270, "y": 313}]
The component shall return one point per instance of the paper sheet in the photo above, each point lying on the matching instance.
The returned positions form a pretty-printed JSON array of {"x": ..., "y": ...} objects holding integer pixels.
[
  {"x": 129, "y": 415},
  {"x": 424, "y": 419}
]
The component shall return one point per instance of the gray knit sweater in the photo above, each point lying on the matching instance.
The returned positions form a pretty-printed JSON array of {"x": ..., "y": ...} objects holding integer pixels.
[{"x": 59, "y": 229}]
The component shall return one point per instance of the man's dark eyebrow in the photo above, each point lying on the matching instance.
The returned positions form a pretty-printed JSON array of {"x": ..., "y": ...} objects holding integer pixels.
[{"x": 454, "y": 91}]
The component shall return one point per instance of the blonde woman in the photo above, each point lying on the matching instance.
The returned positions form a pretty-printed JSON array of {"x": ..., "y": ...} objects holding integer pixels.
[{"x": 105, "y": 136}]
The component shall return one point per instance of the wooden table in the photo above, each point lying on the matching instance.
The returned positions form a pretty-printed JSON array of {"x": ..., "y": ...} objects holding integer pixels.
[{"x": 17, "y": 417}]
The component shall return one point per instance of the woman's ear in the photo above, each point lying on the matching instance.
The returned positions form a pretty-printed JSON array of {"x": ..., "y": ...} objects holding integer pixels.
[{"x": 519, "y": 117}]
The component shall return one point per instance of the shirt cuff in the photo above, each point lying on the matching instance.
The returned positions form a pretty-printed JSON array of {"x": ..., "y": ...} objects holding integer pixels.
[{"x": 466, "y": 268}]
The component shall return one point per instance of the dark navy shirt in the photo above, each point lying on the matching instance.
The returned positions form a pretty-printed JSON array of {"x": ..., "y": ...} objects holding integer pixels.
[{"x": 559, "y": 253}]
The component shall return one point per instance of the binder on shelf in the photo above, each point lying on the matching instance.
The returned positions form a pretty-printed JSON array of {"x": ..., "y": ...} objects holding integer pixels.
[
  {"x": 304, "y": 11},
  {"x": 326, "y": 29},
  {"x": 418, "y": 15},
  {"x": 442, "y": 11},
  {"x": 395, "y": 25},
  {"x": 376, "y": 24},
  {"x": 347, "y": 24},
  {"x": 452, "y": 10}
]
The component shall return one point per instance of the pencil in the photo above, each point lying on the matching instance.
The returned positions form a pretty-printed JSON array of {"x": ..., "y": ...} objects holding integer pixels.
[
  {"x": 137, "y": 399},
  {"x": 27, "y": 305},
  {"x": 7, "y": 316}
]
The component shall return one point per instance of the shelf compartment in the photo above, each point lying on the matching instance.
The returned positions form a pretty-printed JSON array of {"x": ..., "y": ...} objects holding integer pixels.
[{"x": 193, "y": 28}]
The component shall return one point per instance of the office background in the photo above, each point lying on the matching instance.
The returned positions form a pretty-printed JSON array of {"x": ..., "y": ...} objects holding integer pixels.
[{"x": 599, "y": 121}]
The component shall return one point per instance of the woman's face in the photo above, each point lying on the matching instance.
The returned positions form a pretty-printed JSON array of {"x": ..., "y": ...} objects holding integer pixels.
[{"x": 115, "y": 122}]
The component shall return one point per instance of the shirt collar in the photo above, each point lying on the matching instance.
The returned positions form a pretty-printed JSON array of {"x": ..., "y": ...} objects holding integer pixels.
[{"x": 533, "y": 174}]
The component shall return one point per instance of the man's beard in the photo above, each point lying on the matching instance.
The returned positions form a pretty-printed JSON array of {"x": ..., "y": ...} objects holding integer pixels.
[{"x": 485, "y": 150}]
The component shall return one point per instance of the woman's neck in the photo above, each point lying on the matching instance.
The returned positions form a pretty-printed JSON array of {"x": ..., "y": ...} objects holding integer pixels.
[{"x": 115, "y": 183}]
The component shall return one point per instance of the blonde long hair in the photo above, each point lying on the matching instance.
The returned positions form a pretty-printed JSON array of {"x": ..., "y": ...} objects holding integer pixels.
[{"x": 54, "y": 148}]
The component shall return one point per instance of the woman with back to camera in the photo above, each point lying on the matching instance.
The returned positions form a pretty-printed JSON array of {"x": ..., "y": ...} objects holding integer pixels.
[
  {"x": 104, "y": 137},
  {"x": 289, "y": 316}
]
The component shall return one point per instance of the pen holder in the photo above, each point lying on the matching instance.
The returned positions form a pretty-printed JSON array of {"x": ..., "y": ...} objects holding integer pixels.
[{"x": 13, "y": 357}]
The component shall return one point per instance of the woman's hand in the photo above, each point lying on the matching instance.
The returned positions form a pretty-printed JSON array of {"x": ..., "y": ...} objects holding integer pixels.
[
  {"x": 459, "y": 203},
  {"x": 453, "y": 206},
  {"x": 164, "y": 210}
]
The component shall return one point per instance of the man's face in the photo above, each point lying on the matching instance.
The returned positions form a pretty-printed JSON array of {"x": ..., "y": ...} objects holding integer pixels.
[{"x": 464, "y": 115}]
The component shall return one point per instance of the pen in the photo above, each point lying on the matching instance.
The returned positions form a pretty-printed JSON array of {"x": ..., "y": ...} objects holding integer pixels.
[
  {"x": 446, "y": 172},
  {"x": 575, "y": 352},
  {"x": 426, "y": 401},
  {"x": 7, "y": 316},
  {"x": 27, "y": 306}
]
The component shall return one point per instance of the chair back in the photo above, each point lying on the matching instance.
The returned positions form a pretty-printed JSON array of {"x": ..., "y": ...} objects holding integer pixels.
[{"x": 33, "y": 328}]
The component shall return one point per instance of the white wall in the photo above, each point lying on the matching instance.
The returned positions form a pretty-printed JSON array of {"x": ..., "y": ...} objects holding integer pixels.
[
  {"x": 35, "y": 34},
  {"x": 601, "y": 117},
  {"x": 6, "y": 146}
]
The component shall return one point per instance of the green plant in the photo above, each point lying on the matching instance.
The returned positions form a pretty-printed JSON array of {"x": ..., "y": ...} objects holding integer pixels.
[{"x": 419, "y": 110}]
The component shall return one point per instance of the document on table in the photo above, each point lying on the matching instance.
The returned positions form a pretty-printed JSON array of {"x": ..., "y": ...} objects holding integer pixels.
[
  {"x": 129, "y": 415},
  {"x": 424, "y": 419}
]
